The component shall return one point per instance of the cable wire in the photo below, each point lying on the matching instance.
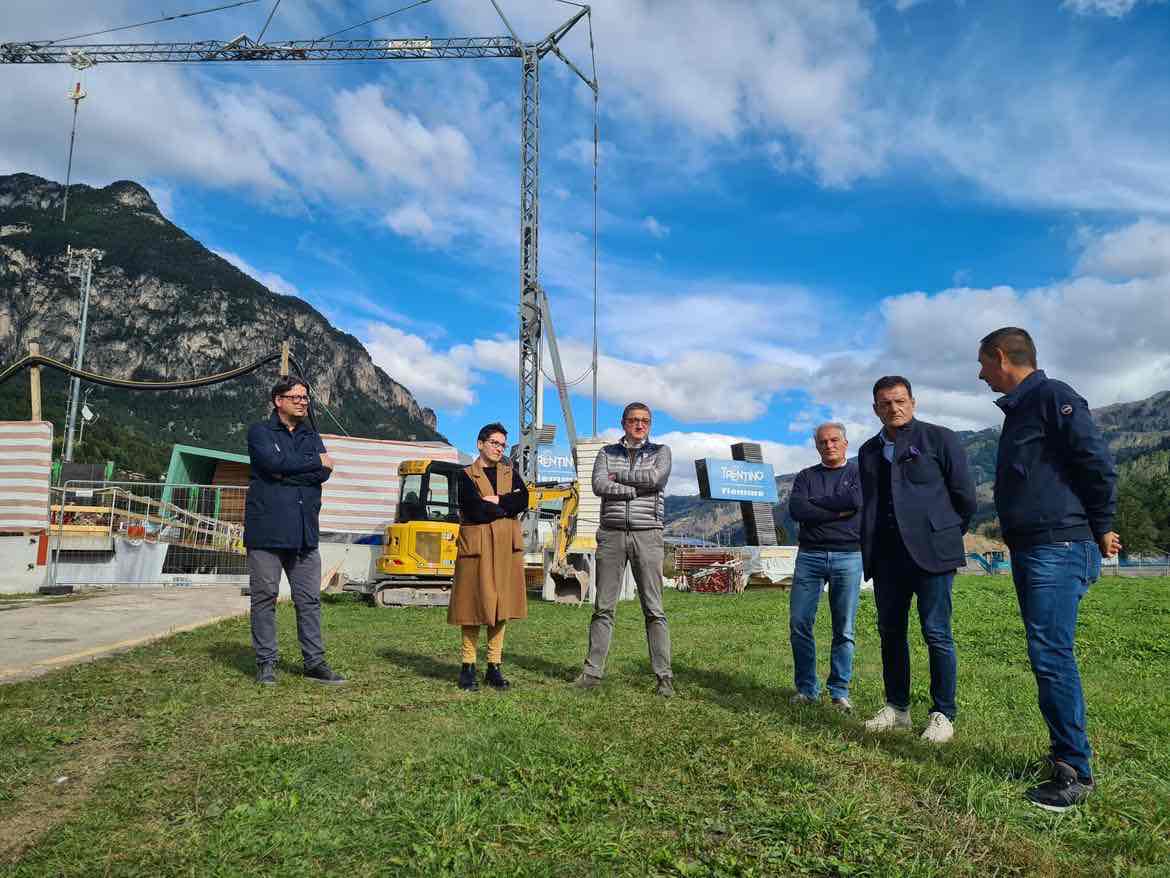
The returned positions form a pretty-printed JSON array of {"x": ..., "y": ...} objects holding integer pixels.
[
  {"x": 264, "y": 29},
  {"x": 110, "y": 381},
  {"x": 111, "y": 30},
  {"x": 372, "y": 20}
]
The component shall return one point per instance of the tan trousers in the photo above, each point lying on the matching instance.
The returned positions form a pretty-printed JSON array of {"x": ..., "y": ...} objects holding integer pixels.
[{"x": 495, "y": 646}]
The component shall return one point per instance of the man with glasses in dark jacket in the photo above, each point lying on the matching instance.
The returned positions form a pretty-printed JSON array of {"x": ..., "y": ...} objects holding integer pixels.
[
  {"x": 630, "y": 476},
  {"x": 289, "y": 463}
]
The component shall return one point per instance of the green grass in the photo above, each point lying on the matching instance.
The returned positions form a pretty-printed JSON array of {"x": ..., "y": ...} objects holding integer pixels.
[{"x": 176, "y": 764}]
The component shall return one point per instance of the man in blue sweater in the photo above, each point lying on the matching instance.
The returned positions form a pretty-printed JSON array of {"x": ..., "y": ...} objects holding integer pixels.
[
  {"x": 1056, "y": 494},
  {"x": 825, "y": 501}
]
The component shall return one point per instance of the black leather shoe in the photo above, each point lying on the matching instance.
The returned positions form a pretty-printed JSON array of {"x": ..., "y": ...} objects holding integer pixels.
[
  {"x": 266, "y": 674},
  {"x": 494, "y": 678},
  {"x": 467, "y": 678},
  {"x": 322, "y": 673}
]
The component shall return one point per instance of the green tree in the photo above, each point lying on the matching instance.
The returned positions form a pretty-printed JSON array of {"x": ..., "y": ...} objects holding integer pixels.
[{"x": 1137, "y": 511}]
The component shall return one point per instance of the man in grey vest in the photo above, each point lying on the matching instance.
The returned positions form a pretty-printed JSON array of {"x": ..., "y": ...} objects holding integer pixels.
[{"x": 630, "y": 476}]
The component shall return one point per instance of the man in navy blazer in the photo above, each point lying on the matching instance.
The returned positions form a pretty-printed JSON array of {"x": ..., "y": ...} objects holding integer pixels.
[
  {"x": 918, "y": 499},
  {"x": 288, "y": 465}
]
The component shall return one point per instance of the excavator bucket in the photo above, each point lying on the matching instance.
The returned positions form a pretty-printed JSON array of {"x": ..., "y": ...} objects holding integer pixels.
[{"x": 570, "y": 580}]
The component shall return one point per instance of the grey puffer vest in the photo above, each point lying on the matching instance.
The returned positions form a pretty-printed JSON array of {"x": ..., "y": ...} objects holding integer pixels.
[{"x": 631, "y": 492}]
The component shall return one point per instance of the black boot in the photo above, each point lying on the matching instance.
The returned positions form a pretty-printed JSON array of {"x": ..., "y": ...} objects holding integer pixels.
[
  {"x": 467, "y": 678},
  {"x": 494, "y": 678}
]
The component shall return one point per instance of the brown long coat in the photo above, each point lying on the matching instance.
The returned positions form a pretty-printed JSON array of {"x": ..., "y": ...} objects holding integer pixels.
[{"x": 489, "y": 562}]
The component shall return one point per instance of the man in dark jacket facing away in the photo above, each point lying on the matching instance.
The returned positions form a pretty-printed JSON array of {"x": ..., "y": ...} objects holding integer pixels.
[
  {"x": 1055, "y": 492},
  {"x": 919, "y": 498},
  {"x": 825, "y": 501},
  {"x": 289, "y": 463}
]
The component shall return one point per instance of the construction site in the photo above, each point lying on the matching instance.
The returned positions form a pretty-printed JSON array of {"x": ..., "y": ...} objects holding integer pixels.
[{"x": 134, "y": 740}]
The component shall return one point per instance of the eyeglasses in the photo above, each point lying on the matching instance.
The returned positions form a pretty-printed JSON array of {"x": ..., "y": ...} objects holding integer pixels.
[
  {"x": 494, "y": 444},
  {"x": 294, "y": 398},
  {"x": 643, "y": 421}
]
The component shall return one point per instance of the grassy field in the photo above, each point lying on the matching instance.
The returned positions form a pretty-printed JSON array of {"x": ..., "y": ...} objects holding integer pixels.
[{"x": 168, "y": 760}]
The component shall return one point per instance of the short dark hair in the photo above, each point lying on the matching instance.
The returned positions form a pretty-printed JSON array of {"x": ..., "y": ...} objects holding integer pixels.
[
  {"x": 489, "y": 430},
  {"x": 888, "y": 382},
  {"x": 283, "y": 386},
  {"x": 1015, "y": 343},
  {"x": 635, "y": 407}
]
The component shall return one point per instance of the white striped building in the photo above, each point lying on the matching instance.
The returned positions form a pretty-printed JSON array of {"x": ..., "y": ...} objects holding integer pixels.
[
  {"x": 361, "y": 495},
  {"x": 26, "y": 460}
]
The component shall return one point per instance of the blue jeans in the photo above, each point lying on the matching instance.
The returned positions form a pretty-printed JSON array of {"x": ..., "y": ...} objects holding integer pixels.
[
  {"x": 897, "y": 580},
  {"x": 842, "y": 571},
  {"x": 1050, "y": 581}
]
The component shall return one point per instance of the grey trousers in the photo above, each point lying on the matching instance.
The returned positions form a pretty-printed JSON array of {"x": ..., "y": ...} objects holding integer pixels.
[
  {"x": 303, "y": 568},
  {"x": 643, "y": 549}
]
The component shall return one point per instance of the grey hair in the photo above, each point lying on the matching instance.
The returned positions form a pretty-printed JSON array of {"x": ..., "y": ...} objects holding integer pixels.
[{"x": 836, "y": 425}]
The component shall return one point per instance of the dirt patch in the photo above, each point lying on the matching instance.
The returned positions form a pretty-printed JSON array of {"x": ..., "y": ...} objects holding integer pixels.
[{"x": 54, "y": 797}]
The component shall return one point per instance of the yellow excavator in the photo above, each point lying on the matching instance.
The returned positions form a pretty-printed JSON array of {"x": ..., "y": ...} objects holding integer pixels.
[{"x": 417, "y": 564}]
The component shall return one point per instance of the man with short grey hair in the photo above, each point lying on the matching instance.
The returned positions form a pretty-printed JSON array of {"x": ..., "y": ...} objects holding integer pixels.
[
  {"x": 825, "y": 500},
  {"x": 630, "y": 476}
]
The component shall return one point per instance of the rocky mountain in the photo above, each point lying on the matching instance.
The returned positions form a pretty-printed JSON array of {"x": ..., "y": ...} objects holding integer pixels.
[
  {"x": 1138, "y": 434},
  {"x": 163, "y": 306}
]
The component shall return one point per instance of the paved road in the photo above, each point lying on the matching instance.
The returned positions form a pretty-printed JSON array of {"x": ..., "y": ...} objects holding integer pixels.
[{"x": 38, "y": 637}]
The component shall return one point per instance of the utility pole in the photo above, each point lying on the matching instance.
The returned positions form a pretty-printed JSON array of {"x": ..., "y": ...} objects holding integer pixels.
[{"x": 80, "y": 265}]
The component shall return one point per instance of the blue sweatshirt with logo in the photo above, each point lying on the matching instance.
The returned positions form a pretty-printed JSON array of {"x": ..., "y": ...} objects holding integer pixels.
[{"x": 825, "y": 503}]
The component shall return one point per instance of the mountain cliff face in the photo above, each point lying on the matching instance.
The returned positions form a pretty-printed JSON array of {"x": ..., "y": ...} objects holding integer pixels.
[{"x": 162, "y": 306}]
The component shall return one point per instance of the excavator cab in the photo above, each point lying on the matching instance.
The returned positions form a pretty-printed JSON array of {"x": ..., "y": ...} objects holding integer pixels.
[{"x": 419, "y": 547}]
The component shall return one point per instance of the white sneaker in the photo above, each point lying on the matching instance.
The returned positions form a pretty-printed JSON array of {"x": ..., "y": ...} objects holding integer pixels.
[
  {"x": 889, "y": 718},
  {"x": 800, "y": 698},
  {"x": 939, "y": 729}
]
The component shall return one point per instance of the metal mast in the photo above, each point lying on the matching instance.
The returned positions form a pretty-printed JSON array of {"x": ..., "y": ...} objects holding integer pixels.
[
  {"x": 80, "y": 264},
  {"x": 243, "y": 48}
]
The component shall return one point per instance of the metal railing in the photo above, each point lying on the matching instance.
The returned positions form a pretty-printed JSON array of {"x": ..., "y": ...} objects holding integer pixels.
[{"x": 128, "y": 534}]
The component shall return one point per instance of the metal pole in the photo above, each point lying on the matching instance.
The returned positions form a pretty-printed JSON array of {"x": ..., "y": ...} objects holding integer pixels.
[
  {"x": 530, "y": 312},
  {"x": 595, "y": 150},
  {"x": 76, "y": 96},
  {"x": 75, "y": 386}
]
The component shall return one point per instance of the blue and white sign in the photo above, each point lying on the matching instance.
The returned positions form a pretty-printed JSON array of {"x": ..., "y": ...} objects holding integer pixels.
[
  {"x": 736, "y": 480},
  {"x": 554, "y": 465}
]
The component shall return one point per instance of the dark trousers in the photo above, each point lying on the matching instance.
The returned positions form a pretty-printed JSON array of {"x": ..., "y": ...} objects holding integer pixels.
[
  {"x": 303, "y": 568},
  {"x": 1050, "y": 581},
  {"x": 897, "y": 580}
]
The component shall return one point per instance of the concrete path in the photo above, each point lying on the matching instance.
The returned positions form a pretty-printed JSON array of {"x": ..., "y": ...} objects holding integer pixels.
[{"x": 38, "y": 637}]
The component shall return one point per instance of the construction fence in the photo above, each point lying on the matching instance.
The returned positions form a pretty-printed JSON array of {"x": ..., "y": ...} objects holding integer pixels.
[{"x": 146, "y": 534}]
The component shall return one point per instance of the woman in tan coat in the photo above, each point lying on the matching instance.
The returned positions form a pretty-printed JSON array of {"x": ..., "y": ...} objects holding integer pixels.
[{"x": 489, "y": 564}]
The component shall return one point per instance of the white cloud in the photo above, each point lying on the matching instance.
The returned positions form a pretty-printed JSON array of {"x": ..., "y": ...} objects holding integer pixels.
[
  {"x": 435, "y": 378},
  {"x": 1141, "y": 249},
  {"x": 904, "y": 5},
  {"x": 1108, "y": 336},
  {"x": 655, "y": 228},
  {"x": 796, "y": 69},
  {"x": 397, "y": 147},
  {"x": 270, "y": 279},
  {"x": 412, "y": 221},
  {"x": 1111, "y": 8}
]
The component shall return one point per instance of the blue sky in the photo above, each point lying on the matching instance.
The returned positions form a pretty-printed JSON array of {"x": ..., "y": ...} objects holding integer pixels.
[{"x": 796, "y": 197}]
